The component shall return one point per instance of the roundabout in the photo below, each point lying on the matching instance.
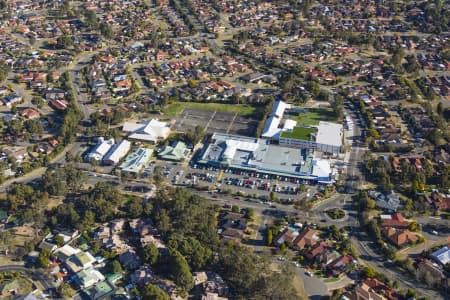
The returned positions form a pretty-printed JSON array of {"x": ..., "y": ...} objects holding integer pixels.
[{"x": 336, "y": 214}]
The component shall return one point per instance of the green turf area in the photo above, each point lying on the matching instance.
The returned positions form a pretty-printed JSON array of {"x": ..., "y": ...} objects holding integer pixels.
[
  {"x": 176, "y": 108},
  {"x": 313, "y": 116},
  {"x": 299, "y": 133},
  {"x": 333, "y": 279}
]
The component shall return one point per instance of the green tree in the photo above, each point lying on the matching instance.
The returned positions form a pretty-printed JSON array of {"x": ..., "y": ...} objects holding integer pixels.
[
  {"x": 269, "y": 237},
  {"x": 368, "y": 272},
  {"x": 106, "y": 31},
  {"x": 272, "y": 196},
  {"x": 64, "y": 42},
  {"x": 38, "y": 101},
  {"x": 440, "y": 108},
  {"x": 371, "y": 204},
  {"x": 250, "y": 213},
  {"x": 43, "y": 259},
  {"x": 65, "y": 291},
  {"x": 135, "y": 207},
  {"x": 153, "y": 292},
  {"x": 251, "y": 276},
  {"x": 4, "y": 70},
  {"x": 59, "y": 240},
  {"x": 116, "y": 267},
  {"x": 91, "y": 19},
  {"x": 197, "y": 255},
  {"x": 195, "y": 136},
  {"x": 178, "y": 270},
  {"x": 151, "y": 254}
]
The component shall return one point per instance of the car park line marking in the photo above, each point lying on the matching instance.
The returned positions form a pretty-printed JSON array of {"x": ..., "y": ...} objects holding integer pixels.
[
  {"x": 231, "y": 123},
  {"x": 210, "y": 119},
  {"x": 219, "y": 178}
]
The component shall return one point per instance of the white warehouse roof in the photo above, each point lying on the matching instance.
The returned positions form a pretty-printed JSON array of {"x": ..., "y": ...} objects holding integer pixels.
[
  {"x": 273, "y": 122},
  {"x": 321, "y": 168},
  {"x": 117, "y": 152},
  {"x": 329, "y": 134},
  {"x": 100, "y": 149}
]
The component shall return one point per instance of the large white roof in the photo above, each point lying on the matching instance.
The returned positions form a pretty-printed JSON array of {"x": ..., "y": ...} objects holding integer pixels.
[
  {"x": 289, "y": 124},
  {"x": 279, "y": 107},
  {"x": 101, "y": 149},
  {"x": 118, "y": 151},
  {"x": 233, "y": 145},
  {"x": 271, "y": 127},
  {"x": 151, "y": 130},
  {"x": 329, "y": 134},
  {"x": 321, "y": 168}
]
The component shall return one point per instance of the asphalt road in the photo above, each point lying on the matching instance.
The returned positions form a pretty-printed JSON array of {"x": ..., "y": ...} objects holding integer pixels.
[
  {"x": 36, "y": 275},
  {"x": 314, "y": 287},
  {"x": 378, "y": 262}
]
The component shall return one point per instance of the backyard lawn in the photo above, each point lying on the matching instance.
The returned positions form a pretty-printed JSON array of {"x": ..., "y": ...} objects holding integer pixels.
[
  {"x": 312, "y": 116},
  {"x": 176, "y": 108}
]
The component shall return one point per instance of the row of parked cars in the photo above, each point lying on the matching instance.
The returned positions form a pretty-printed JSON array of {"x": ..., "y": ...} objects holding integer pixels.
[
  {"x": 209, "y": 177},
  {"x": 261, "y": 185},
  {"x": 248, "y": 174}
]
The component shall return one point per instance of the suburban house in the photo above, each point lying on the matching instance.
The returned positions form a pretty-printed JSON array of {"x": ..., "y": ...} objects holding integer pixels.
[
  {"x": 439, "y": 201},
  {"x": 142, "y": 275},
  {"x": 339, "y": 265},
  {"x": 400, "y": 237},
  {"x": 65, "y": 252},
  {"x": 316, "y": 250},
  {"x": 130, "y": 259},
  {"x": 441, "y": 256},
  {"x": 308, "y": 237},
  {"x": 373, "y": 289},
  {"x": 395, "y": 220},
  {"x": 30, "y": 113},
  {"x": 287, "y": 235},
  {"x": 389, "y": 202},
  {"x": 427, "y": 267},
  {"x": 12, "y": 99},
  {"x": 80, "y": 261},
  {"x": 59, "y": 104},
  {"x": 89, "y": 277}
]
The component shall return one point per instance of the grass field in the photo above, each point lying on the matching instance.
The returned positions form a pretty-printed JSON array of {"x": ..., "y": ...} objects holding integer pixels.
[
  {"x": 176, "y": 108},
  {"x": 300, "y": 133},
  {"x": 313, "y": 116}
]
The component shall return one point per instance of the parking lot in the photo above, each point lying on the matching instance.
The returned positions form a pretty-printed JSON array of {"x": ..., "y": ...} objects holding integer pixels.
[
  {"x": 213, "y": 121},
  {"x": 287, "y": 190}
]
